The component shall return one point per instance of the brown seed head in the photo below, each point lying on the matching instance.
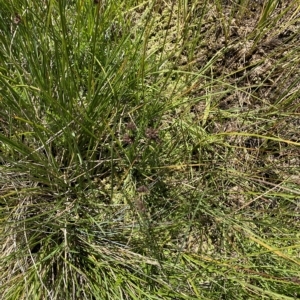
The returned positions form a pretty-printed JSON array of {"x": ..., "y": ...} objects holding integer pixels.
[
  {"x": 142, "y": 189},
  {"x": 152, "y": 134},
  {"x": 127, "y": 139},
  {"x": 140, "y": 205},
  {"x": 131, "y": 126}
]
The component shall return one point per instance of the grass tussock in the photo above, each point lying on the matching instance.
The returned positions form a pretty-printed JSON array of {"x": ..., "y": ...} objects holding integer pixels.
[{"x": 149, "y": 150}]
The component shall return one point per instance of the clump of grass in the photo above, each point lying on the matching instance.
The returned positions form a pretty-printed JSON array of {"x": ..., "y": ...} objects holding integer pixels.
[{"x": 149, "y": 151}]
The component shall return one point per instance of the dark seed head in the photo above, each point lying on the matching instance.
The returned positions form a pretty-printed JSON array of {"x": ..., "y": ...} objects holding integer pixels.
[
  {"x": 127, "y": 139},
  {"x": 142, "y": 189},
  {"x": 140, "y": 206},
  {"x": 131, "y": 126},
  {"x": 152, "y": 134}
]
